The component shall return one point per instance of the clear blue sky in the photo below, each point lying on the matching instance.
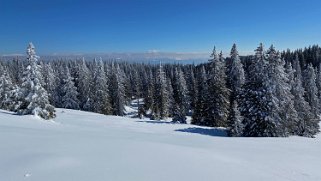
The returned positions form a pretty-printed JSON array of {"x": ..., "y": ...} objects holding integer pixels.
[{"x": 71, "y": 26}]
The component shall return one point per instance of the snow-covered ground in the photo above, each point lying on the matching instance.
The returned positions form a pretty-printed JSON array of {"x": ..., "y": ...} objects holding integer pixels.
[{"x": 84, "y": 146}]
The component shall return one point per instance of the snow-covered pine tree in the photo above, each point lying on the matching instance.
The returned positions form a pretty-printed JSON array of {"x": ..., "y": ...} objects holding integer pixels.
[
  {"x": 318, "y": 83},
  {"x": 50, "y": 82},
  {"x": 161, "y": 96},
  {"x": 117, "y": 89},
  {"x": 149, "y": 92},
  {"x": 291, "y": 125},
  {"x": 16, "y": 69},
  {"x": 171, "y": 101},
  {"x": 84, "y": 85},
  {"x": 69, "y": 91},
  {"x": 219, "y": 94},
  {"x": 236, "y": 77},
  {"x": 236, "y": 80},
  {"x": 32, "y": 98},
  {"x": 180, "y": 97},
  {"x": 136, "y": 83},
  {"x": 307, "y": 125},
  {"x": 281, "y": 108},
  {"x": 6, "y": 89},
  {"x": 254, "y": 104},
  {"x": 311, "y": 94},
  {"x": 191, "y": 87},
  {"x": 201, "y": 98},
  {"x": 236, "y": 126},
  {"x": 100, "y": 97}
]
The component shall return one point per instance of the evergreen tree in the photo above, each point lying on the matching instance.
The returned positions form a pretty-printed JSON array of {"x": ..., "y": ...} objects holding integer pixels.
[
  {"x": 218, "y": 102},
  {"x": 255, "y": 101},
  {"x": 318, "y": 83},
  {"x": 69, "y": 91},
  {"x": 236, "y": 77},
  {"x": 149, "y": 95},
  {"x": 236, "y": 80},
  {"x": 32, "y": 98},
  {"x": 191, "y": 87},
  {"x": 281, "y": 108},
  {"x": 84, "y": 85},
  {"x": 307, "y": 125},
  {"x": 311, "y": 94},
  {"x": 100, "y": 98},
  {"x": 201, "y": 98},
  {"x": 50, "y": 82},
  {"x": 6, "y": 89},
  {"x": 118, "y": 91},
  {"x": 180, "y": 97},
  {"x": 236, "y": 126},
  {"x": 161, "y": 96}
]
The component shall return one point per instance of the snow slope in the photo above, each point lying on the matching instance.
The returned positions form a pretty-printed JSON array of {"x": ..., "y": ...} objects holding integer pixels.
[{"x": 84, "y": 146}]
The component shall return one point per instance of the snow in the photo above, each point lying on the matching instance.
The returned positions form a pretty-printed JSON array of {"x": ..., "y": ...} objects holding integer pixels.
[{"x": 86, "y": 146}]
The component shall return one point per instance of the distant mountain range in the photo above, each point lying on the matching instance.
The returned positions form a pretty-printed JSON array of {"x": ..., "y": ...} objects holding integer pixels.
[{"x": 146, "y": 57}]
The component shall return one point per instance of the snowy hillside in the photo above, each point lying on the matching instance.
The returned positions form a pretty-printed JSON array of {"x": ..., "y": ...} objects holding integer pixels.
[{"x": 86, "y": 146}]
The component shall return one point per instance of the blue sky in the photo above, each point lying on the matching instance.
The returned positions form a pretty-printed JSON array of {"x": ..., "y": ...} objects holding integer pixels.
[{"x": 71, "y": 26}]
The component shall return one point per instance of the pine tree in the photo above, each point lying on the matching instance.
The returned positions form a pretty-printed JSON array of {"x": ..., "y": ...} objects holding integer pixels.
[
  {"x": 281, "y": 107},
  {"x": 50, "y": 82},
  {"x": 84, "y": 85},
  {"x": 201, "y": 98},
  {"x": 32, "y": 98},
  {"x": 180, "y": 97},
  {"x": 149, "y": 95},
  {"x": 318, "y": 83},
  {"x": 69, "y": 91},
  {"x": 236, "y": 126},
  {"x": 307, "y": 125},
  {"x": 191, "y": 87},
  {"x": 236, "y": 80},
  {"x": 236, "y": 77},
  {"x": 218, "y": 102},
  {"x": 311, "y": 90},
  {"x": 255, "y": 99},
  {"x": 100, "y": 98},
  {"x": 118, "y": 90},
  {"x": 161, "y": 96},
  {"x": 6, "y": 89}
]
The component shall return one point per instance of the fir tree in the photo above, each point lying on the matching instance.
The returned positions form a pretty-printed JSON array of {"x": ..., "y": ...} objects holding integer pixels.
[
  {"x": 69, "y": 91},
  {"x": 180, "y": 97},
  {"x": 307, "y": 125},
  {"x": 255, "y": 100},
  {"x": 84, "y": 85},
  {"x": 6, "y": 89},
  {"x": 100, "y": 98},
  {"x": 32, "y": 98},
  {"x": 118, "y": 91},
  {"x": 149, "y": 93},
  {"x": 236, "y": 126},
  {"x": 201, "y": 98},
  {"x": 218, "y": 102},
  {"x": 51, "y": 81},
  {"x": 161, "y": 96},
  {"x": 281, "y": 108},
  {"x": 236, "y": 77},
  {"x": 311, "y": 94}
]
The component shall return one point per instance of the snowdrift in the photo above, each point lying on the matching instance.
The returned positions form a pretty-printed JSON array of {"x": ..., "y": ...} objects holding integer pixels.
[{"x": 86, "y": 146}]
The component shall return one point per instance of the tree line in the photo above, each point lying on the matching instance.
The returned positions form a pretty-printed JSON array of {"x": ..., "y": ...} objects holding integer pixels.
[{"x": 269, "y": 94}]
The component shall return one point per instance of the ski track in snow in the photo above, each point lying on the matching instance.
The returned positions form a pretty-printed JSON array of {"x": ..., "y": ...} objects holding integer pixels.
[{"x": 86, "y": 146}]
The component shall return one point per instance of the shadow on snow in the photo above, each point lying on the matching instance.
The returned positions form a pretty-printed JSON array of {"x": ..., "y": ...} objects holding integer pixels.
[
  {"x": 156, "y": 122},
  {"x": 205, "y": 131},
  {"x": 4, "y": 112}
]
